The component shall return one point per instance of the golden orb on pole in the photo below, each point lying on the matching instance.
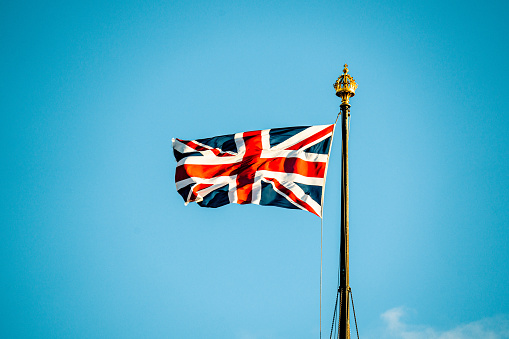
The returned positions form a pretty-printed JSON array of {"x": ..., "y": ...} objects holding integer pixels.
[{"x": 345, "y": 86}]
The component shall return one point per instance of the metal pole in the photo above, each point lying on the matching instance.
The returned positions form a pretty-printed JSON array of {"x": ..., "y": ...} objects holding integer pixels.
[
  {"x": 344, "y": 321},
  {"x": 345, "y": 89}
]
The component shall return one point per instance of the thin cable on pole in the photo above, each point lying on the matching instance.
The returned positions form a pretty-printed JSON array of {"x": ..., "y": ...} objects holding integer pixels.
[
  {"x": 321, "y": 224},
  {"x": 334, "y": 315},
  {"x": 337, "y": 313},
  {"x": 321, "y": 262},
  {"x": 335, "y": 325},
  {"x": 355, "y": 318},
  {"x": 340, "y": 307}
]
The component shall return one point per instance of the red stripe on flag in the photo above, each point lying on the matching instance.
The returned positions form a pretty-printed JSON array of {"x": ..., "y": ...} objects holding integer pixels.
[
  {"x": 249, "y": 165},
  {"x": 205, "y": 171},
  {"x": 294, "y": 166}
]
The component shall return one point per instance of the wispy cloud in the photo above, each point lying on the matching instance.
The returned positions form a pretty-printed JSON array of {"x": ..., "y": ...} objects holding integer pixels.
[{"x": 488, "y": 328}]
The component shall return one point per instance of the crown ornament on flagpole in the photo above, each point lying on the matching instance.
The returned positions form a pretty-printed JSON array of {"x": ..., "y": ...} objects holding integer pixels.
[{"x": 345, "y": 86}]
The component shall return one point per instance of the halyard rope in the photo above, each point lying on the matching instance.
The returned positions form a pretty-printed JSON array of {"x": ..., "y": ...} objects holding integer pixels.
[
  {"x": 321, "y": 229},
  {"x": 334, "y": 315},
  {"x": 355, "y": 318}
]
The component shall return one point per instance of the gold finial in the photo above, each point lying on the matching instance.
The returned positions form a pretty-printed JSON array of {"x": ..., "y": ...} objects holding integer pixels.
[{"x": 345, "y": 86}]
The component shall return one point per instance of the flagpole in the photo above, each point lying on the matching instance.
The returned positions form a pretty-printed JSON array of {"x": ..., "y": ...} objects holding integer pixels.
[{"x": 345, "y": 89}]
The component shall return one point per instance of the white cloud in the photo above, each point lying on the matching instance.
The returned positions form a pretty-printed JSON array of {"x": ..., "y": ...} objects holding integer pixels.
[{"x": 489, "y": 328}]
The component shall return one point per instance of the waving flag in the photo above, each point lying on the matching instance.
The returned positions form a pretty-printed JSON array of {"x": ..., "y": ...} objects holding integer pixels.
[{"x": 283, "y": 167}]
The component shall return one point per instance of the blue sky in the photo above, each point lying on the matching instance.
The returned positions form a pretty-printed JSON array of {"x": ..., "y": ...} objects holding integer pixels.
[{"x": 95, "y": 242}]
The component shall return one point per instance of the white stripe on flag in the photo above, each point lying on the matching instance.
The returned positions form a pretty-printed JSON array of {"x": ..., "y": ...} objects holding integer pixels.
[
  {"x": 300, "y": 136},
  {"x": 314, "y": 157},
  {"x": 281, "y": 176},
  {"x": 196, "y": 180},
  {"x": 239, "y": 141},
  {"x": 209, "y": 159},
  {"x": 232, "y": 189}
]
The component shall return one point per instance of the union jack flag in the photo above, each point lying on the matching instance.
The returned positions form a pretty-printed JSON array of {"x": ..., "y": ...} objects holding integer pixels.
[{"x": 283, "y": 167}]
